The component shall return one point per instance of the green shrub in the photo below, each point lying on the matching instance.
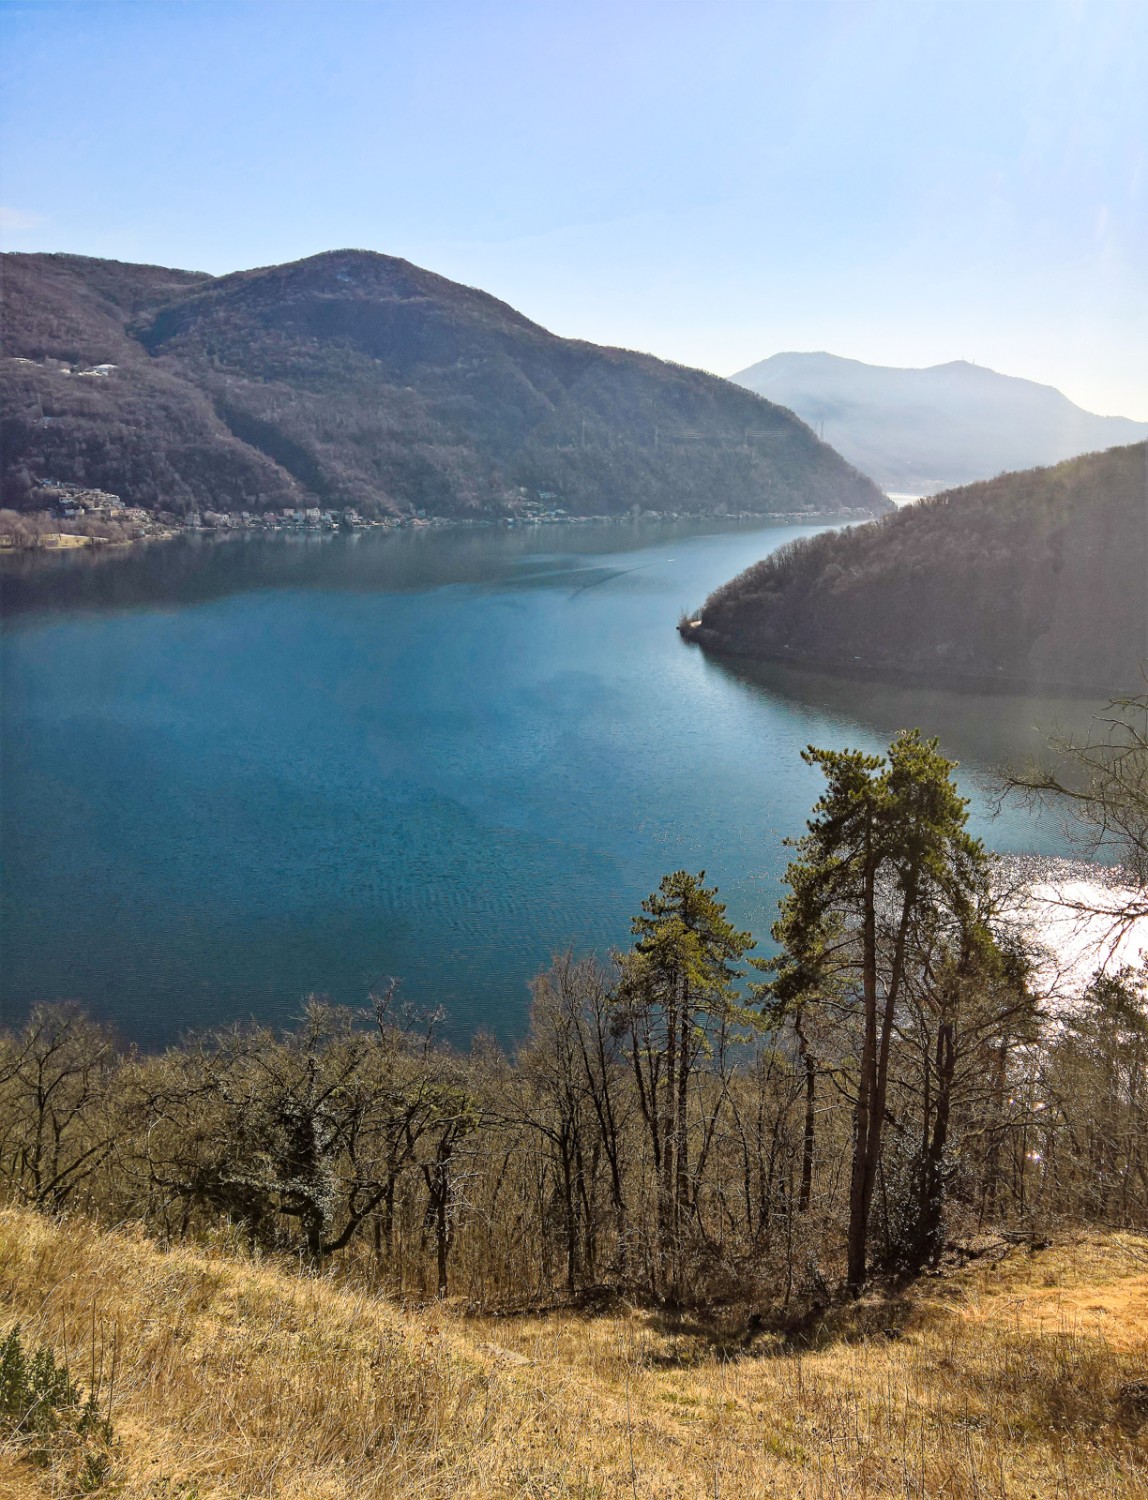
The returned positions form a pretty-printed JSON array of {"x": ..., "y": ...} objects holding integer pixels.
[{"x": 42, "y": 1405}]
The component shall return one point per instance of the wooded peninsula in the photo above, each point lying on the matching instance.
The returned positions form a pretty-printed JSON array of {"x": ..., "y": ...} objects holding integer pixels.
[{"x": 1034, "y": 579}]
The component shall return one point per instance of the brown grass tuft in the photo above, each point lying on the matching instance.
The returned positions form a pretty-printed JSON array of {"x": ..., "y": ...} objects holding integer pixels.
[{"x": 236, "y": 1377}]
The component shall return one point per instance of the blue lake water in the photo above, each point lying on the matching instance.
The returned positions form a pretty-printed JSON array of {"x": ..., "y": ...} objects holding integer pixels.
[{"x": 235, "y": 773}]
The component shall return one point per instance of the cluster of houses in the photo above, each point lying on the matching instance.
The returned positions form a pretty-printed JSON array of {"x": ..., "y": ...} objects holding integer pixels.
[
  {"x": 542, "y": 509},
  {"x": 76, "y": 502},
  {"x": 62, "y": 367},
  {"x": 310, "y": 518}
]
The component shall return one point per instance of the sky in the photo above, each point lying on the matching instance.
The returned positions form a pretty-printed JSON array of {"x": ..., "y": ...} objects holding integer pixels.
[{"x": 901, "y": 183}]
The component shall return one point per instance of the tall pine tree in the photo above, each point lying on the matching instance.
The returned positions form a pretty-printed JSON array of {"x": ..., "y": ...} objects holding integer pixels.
[{"x": 677, "y": 1000}]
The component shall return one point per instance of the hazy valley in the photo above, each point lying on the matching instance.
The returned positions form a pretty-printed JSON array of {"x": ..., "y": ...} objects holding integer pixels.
[{"x": 919, "y": 431}]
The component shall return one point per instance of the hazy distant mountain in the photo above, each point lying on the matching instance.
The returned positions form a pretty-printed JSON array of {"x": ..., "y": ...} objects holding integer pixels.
[
  {"x": 918, "y": 431},
  {"x": 1032, "y": 579},
  {"x": 356, "y": 380}
]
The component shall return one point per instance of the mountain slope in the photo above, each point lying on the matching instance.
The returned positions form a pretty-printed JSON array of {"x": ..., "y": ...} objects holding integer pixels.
[
  {"x": 354, "y": 379},
  {"x": 144, "y": 430},
  {"x": 923, "y": 430},
  {"x": 1033, "y": 579}
]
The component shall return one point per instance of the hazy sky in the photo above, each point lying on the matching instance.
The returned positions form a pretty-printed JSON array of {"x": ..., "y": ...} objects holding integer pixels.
[{"x": 713, "y": 182}]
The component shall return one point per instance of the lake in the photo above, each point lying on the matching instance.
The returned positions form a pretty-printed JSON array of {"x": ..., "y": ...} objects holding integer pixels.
[{"x": 238, "y": 772}]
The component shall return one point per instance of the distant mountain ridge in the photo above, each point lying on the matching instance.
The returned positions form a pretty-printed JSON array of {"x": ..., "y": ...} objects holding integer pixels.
[
  {"x": 357, "y": 380},
  {"x": 918, "y": 431},
  {"x": 1034, "y": 580}
]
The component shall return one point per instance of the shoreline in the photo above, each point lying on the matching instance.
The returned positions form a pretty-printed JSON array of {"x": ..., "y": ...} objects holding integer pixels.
[
  {"x": 695, "y": 633},
  {"x": 65, "y": 541},
  {"x": 55, "y": 543}
]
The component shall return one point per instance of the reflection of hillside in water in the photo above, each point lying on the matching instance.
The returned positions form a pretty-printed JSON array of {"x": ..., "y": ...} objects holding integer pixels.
[
  {"x": 197, "y": 568},
  {"x": 983, "y": 731}
]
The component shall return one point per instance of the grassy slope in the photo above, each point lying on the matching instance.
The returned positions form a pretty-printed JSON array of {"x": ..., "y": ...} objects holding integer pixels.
[{"x": 238, "y": 1378}]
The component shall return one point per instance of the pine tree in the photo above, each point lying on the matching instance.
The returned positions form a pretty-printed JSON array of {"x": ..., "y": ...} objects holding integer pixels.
[
  {"x": 677, "y": 1002},
  {"x": 886, "y": 843}
]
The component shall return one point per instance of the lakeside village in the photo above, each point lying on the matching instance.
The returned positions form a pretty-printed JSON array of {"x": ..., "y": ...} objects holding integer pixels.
[
  {"x": 69, "y": 502},
  {"x": 64, "y": 515},
  {"x": 73, "y": 515}
]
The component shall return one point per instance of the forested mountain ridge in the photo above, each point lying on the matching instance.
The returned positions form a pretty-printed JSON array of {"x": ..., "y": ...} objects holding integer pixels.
[
  {"x": 1036, "y": 579},
  {"x": 919, "y": 431},
  {"x": 360, "y": 381}
]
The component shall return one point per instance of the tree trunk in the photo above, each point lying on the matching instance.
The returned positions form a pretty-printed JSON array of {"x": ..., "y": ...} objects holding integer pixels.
[
  {"x": 808, "y": 1139},
  {"x": 932, "y": 1172},
  {"x": 570, "y": 1209},
  {"x": 681, "y": 1148},
  {"x": 860, "y": 1179},
  {"x": 438, "y": 1208},
  {"x": 442, "y": 1243},
  {"x": 669, "y": 1139},
  {"x": 875, "y": 1080}
]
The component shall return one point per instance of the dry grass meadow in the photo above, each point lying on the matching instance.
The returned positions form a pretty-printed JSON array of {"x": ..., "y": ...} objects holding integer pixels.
[{"x": 1024, "y": 1374}]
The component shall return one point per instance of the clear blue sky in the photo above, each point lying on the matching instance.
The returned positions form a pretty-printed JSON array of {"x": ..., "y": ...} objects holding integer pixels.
[{"x": 713, "y": 182}]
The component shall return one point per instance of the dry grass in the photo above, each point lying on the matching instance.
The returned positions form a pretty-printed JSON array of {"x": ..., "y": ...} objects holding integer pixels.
[
  {"x": 52, "y": 541},
  {"x": 238, "y": 1378}
]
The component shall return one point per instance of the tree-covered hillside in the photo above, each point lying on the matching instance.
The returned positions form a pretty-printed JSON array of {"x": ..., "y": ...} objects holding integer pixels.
[
  {"x": 1032, "y": 579},
  {"x": 357, "y": 380}
]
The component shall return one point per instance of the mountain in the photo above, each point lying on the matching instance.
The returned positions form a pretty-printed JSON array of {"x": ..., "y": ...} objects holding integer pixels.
[
  {"x": 919, "y": 431},
  {"x": 357, "y": 380},
  {"x": 1037, "y": 579}
]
